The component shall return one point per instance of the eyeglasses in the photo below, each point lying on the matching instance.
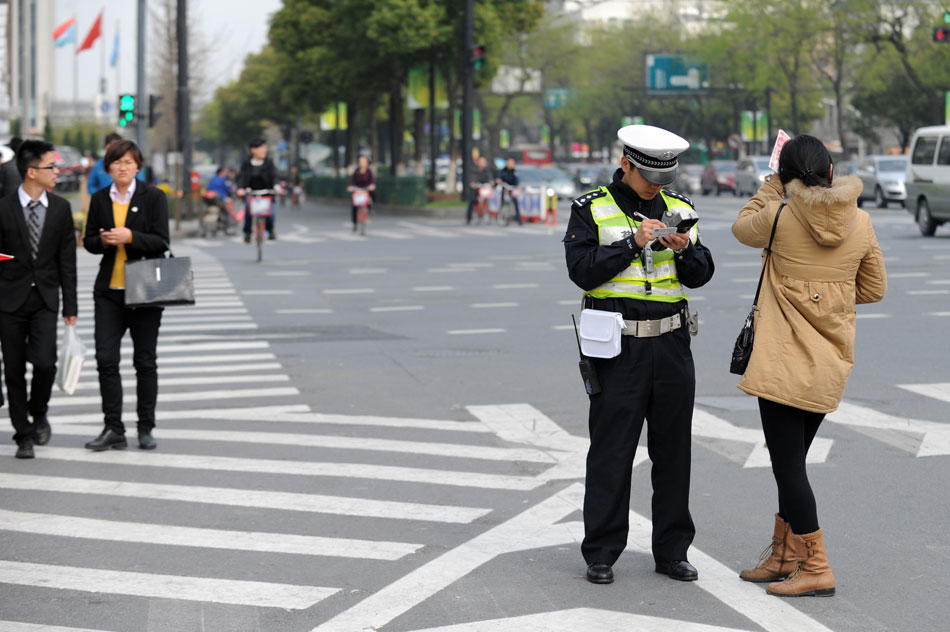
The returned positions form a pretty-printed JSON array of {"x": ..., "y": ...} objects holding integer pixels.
[
  {"x": 126, "y": 163},
  {"x": 50, "y": 167}
]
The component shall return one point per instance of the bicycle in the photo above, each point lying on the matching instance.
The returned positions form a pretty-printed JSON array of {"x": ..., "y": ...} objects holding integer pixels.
[
  {"x": 260, "y": 204},
  {"x": 361, "y": 200},
  {"x": 507, "y": 196},
  {"x": 485, "y": 192}
]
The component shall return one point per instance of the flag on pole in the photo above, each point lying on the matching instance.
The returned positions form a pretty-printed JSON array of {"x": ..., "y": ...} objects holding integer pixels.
[
  {"x": 93, "y": 34},
  {"x": 114, "y": 57},
  {"x": 65, "y": 33}
]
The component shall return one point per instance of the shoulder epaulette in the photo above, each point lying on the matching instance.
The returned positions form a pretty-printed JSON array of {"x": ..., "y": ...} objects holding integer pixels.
[
  {"x": 587, "y": 197},
  {"x": 679, "y": 196}
]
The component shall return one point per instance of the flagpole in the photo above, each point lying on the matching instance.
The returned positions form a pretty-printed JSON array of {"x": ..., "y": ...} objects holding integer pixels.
[
  {"x": 75, "y": 69},
  {"x": 118, "y": 59}
]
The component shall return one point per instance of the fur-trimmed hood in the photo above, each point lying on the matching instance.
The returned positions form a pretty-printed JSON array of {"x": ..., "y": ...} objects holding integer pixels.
[{"x": 828, "y": 212}]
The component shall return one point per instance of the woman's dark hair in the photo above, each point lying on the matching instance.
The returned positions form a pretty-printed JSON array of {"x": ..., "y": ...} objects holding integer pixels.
[
  {"x": 29, "y": 155},
  {"x": 257, "y": 141},
  {"x": 807, "y": 159},
  {"x": 120, "y": 148}
]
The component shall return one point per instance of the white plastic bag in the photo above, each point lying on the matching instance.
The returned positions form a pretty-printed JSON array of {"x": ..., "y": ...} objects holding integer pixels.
[
  {"x": 600, "y": 333},
  {"x": 71, "y": 358}
]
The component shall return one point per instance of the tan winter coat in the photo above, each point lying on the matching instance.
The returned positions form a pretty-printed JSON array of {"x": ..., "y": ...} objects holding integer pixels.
[{"x": 825, "y": 259}]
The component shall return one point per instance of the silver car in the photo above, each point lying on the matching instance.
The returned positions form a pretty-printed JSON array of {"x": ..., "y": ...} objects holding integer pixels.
[
  {"x": 883, "y": 179},
  {"x": 750, "y": 174}
]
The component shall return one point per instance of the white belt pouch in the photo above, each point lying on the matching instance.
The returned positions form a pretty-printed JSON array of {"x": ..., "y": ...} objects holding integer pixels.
[{"x": 600, "y": 333}]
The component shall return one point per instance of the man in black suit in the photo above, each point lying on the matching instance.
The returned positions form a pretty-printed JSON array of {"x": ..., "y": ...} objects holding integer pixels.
[{"x": 36, "y": 227}]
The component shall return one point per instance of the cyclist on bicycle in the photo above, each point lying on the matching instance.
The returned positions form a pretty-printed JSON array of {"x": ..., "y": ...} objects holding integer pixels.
[
  {"x": 257, "y": 172},
  {"x": 507, "y": 176},
  {"x": 362, "y": 178},
  {"x": 481, "y": 177}
]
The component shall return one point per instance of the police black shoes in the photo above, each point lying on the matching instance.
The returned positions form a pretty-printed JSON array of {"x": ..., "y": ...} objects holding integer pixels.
[
  {"x": 41, "y": 430},
  {"x": 679, "y": 569},
  {"x": 24, "y": 449},
  {"x": 599, "y": 573},
  {"x": 147, "y": 441},
  {"x": 108, "y": 440}
]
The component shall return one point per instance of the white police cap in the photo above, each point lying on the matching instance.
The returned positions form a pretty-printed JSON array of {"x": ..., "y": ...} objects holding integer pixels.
[{"x": 653, "y": 151}]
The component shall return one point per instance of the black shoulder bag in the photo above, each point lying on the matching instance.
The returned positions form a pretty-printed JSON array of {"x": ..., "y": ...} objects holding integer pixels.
[
  {"x": 159, "y": 282},
  {"x": 743, "y": 349}
]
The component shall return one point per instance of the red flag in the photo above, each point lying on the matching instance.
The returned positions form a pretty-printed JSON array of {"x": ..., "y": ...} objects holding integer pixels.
[{"x": 93, "y": 34}]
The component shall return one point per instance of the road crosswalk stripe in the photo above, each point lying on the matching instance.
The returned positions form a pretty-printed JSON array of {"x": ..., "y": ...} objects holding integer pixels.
[
  {"x": 451, "y": 450},
  {"x": 206, "y": 359},
  {"x": 234, "y": 497},
  {"x": 197, "y": 381},
  {"x": 389, "y": 422},
  {"x": 172, "y": 535},
  {"x": 228, "y": 591},
  {"x": 940, "y": 391},
  {"x": 248, "y": 413},
  {"x": 218, "y": 368},
  {"x": 216, "y": 327},
  {"x": 401, "y": 474},
  {"x": 18, "y": 626},
  {"x": 183, "y": 396}
]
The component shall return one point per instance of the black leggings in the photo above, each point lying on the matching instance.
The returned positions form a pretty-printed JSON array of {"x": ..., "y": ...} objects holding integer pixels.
[{"x": 788, "y": 434}]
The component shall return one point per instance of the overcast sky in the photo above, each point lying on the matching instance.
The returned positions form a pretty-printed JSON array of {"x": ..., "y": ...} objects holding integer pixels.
[{"x": 233, "y": 28}]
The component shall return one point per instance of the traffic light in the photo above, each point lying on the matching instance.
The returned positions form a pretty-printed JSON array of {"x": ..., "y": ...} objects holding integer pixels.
[
  {"x": 478, "y": 56},
  {"x": 126, "y": 110},
  {"x": 942, "y": 34},
  {"x": 153, "y": 116}
]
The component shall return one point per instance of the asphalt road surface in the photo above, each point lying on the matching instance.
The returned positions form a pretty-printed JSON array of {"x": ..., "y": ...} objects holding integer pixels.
[{"x": 388, "y": 432}]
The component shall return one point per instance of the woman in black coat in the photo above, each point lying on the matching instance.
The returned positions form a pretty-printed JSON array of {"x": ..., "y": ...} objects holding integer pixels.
[{"x": 127, "y": 221}]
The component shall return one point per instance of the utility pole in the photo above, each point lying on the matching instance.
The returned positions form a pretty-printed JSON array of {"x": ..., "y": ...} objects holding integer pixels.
[
  {"x": 184, "y": 110},
  {"x": 140, "y": 97},
  {"x": 433, "y": 139},
  {"x": 468, "y": 91}
]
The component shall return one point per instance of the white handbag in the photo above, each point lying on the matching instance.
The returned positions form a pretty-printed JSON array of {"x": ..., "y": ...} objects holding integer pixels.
[{"x": 600, "y": 333}]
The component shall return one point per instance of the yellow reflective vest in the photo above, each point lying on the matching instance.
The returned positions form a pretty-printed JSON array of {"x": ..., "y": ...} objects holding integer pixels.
[{"x": 661, "y": 284}]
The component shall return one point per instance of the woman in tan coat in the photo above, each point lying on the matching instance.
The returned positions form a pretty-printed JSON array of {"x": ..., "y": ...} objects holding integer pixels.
[{"x": 825, "y": 259}]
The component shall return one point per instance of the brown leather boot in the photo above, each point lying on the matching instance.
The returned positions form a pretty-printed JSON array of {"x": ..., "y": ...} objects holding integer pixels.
[
  {"x": 777, "y": 560},
  {"x": 813, "y": 577}
]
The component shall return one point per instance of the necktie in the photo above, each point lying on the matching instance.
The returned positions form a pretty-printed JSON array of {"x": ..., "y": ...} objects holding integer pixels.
[{"x": 34, "y": 226}]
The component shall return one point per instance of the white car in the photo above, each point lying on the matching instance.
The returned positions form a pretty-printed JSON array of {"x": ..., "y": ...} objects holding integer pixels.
[
  {"x": 928, "y": 178},
  {"x": 750, "y": 174},
  {"x": 883, "y": 179}
]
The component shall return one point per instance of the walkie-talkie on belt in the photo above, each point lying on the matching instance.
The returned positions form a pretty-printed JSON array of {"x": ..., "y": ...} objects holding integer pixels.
[{"x": 588, "y": 372}]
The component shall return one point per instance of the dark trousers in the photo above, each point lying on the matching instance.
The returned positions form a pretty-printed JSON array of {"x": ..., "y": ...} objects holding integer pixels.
[
  {"x": 113, "y": 318},
  {"x": 29, "y": 335},
  {"x": 789, "y": 432},
  {"x": 249, "y": 221},
  {"x": 652, "y": 378}
]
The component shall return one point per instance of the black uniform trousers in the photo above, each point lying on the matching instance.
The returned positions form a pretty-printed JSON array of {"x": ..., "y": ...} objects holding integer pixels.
[
  {"x": 652, "y": 378},
  {"x": 29, "y": 335},
  {"x": 113, "y": 318}
]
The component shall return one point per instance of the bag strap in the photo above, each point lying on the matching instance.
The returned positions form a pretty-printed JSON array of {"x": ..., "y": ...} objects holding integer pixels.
[
  {"x": 768, "y": 253},
  {"x": 171, "y": 255}
]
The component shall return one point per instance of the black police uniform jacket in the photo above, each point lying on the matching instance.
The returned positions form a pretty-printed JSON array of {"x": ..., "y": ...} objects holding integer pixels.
[{"x": 591, "y": 264}]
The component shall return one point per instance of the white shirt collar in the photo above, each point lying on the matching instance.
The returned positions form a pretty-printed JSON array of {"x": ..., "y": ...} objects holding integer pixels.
[
  {"x": 122, "y": 199},
  {"x": 26, "y": 199}
]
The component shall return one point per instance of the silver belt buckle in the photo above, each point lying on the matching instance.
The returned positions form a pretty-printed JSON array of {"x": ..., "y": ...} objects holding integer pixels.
[{"x": 648, "y": 328}]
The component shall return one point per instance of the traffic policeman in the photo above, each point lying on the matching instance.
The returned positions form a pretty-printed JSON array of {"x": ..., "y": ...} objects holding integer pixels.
[{"x": 613, "y": 255}]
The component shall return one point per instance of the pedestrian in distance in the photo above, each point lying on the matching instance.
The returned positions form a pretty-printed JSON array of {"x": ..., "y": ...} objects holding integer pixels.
[
  {"x": 614, "y": 257},
  {"x": 361, "y": 178},
  {"x": 127, "y": 221},
  {"x": 825, "y": 259},
  {"x": 257, "y": 172},
  {"x": 481, "y": 176},
  {"x": 509, "y": 177},
  {"x": 36, "y": 228}
]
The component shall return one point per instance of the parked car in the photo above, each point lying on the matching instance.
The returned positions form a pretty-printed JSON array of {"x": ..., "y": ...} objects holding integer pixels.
[
  {"x": 927, "y": 178},
  {"x": 590, "y": 176},
  {"x": 689, "y": 179},
  {"x": 550, "y": 179},
  {"x": 750, "y": 174},
  {"x": 69, "y": 161},
  {"x": 719, "y": 176},
  {"x": 883, "y": 178}
]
